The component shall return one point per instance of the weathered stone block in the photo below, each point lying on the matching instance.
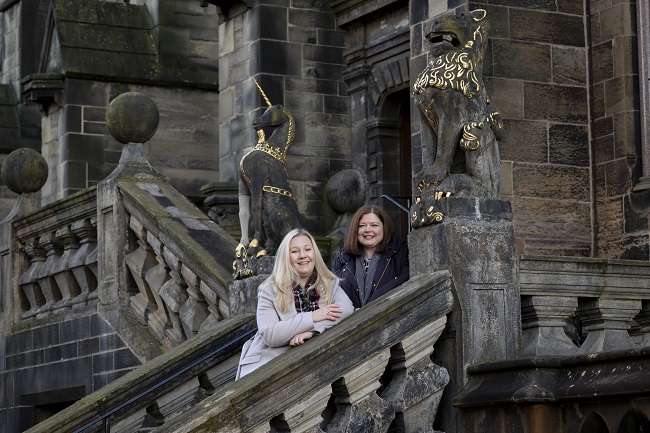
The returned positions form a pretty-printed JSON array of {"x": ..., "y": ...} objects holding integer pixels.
[
  {"x": 275, "y": 57},
  {"x": 273, "y": 22},
  {"x": 521, "y": 60},
  {"x": 569, "y": 65},
  {"x": 620, "y": 94},
  {"x": 88, "y": 346},
  {"x": 554, "y": 28},
  {"x": 620, "y": 175},
  {"x": 60, "y": 352},
  {"x": 568, "y": 145},
  {"x": 552, "y": 219},
  {"x": 627, "y": 136},
  {"x": 617, "y": 21},
  {"x": 518, "y": 132},
  {"x": 312, "y": 18},
  {"x": 507, "y": 96},
  {"x": 46, "y": 335},
  {"x": 602, "y": 61},
  {"x": 548, "y": 181},
  {"x": 555, "y": 103},
  {"x": 300, "y": 102}
]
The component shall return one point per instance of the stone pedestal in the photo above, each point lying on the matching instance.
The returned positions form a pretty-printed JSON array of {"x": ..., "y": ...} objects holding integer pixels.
[{"x": 475, "y": 241}]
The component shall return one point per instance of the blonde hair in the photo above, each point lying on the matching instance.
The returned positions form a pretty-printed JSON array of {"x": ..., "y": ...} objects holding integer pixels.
[{"x": 284, "y": 275}]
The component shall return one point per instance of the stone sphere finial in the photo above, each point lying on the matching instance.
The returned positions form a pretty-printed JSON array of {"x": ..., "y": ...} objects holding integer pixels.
[
  {"x": 346, "y": 190},
  {"x": 24, "y": 170},
  {"x": 132, "y": 118}
]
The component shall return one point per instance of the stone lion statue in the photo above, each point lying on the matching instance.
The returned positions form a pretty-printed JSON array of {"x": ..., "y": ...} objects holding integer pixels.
[{"x": 461, "y": 129}]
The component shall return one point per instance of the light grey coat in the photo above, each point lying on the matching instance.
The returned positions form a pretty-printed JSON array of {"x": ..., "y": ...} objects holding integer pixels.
[{"x": 275, "y": 329}]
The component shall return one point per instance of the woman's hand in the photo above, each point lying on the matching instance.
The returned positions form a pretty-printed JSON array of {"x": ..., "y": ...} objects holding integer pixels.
[
  {"x": 328, "y": 312},
  {"x": 299, "y": 339}
]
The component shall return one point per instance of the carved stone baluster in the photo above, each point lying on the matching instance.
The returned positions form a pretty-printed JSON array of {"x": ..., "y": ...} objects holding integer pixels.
[
  {"x": 417, "y": 384},
  {"x": 28, "y": 282},
  {"x": 195, "y": 310},
  {"x": 305, "y": 417},
  {"x": 91, "y": 260},
  {"x": 64, "y": 277},
  {"x": 359, "y": 408},
  {"x": 178, "y": 400},
  {"x": 156, "y": 277},
  {"x": 543, "y": 320},
  {"x": 81, "y": 269},
  {"x": 212, "y": 298},
  {"x": 607, "y": 322},
  {"x": 643, "y": 319},
  {"x": 139, "y": 262},
  {"x": 174, "y": 294},
  {"x": 53, "y": 296}
]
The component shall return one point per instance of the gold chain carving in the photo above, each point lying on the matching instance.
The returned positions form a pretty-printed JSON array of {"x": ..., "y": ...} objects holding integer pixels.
[{"x": 279, "y": 191}]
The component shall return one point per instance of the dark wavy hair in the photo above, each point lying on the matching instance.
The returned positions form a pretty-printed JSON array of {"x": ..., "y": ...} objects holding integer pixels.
[{"x": 352, "y": 245}]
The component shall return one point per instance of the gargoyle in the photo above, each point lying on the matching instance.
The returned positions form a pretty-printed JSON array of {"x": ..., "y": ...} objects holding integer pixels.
[
  {"x": 264, "y": 189},
  {"x": 462, "y": 128}
]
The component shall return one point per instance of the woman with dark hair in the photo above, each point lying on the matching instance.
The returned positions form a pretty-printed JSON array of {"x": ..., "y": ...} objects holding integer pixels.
[
  {"x": 301, "y": 298},
  {"x": 374, "y": 259}
]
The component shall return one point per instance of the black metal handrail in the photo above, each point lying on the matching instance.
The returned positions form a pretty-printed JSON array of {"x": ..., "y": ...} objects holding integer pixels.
[
  {"x": 398, "y": 204},
  {"x": 107, "y": 416}
]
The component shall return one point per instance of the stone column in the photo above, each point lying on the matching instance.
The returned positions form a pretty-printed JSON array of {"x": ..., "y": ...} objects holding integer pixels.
[{"x": 475, "y": 241}]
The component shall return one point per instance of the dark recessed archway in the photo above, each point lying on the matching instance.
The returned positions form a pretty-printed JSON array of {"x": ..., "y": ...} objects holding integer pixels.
[
  {"x": 634, "y": 422},
  {"x": 594, "y": 424}
]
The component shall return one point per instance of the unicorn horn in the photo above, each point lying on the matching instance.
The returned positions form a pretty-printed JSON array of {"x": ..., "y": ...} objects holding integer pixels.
[{"x": 263, "y": 94}]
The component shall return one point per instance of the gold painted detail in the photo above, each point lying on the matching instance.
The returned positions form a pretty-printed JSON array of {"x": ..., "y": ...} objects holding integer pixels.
[
  {"x": 241, "y": 267},
  {"x": 280, "y": 191},
  {"x": 275, "y": 153},
  {"x": 432, "y": 216},
  {"x": 456, "y": 71},
  {"x": 470, "y": 140}
]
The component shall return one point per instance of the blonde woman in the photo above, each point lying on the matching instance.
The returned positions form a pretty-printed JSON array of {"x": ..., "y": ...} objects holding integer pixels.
[{"x": 300, "y": 299}]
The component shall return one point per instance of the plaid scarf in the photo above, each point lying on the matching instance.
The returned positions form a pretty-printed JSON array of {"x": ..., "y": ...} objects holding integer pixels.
[{"x": 306, "y": 299}]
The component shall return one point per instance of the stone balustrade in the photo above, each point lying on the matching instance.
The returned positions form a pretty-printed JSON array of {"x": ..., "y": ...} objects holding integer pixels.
[
  {"x": 57, "y": 257},
  {"x": 180, "y": 261},
  {"x": 360, "y": 375},
  {"x": 573, "y": 306},
  {"x": 178, "y": 283}
]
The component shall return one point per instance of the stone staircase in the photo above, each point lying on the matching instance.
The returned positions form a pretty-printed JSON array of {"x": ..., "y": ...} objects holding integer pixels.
[{"x": 372, "y": 372}]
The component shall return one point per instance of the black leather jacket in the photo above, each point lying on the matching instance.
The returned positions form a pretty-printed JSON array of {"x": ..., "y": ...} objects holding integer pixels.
[{"x": 392, "y": 270}]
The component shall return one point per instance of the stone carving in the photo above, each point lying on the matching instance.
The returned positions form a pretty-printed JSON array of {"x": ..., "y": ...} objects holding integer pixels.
[
  {"x": 462, "y": 129},
  {"x": 264, "y": 189}
]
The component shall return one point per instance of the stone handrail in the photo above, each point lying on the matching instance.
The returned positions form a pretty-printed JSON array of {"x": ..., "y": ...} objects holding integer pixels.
[
  {"x": 573, "y": 306},
  {"x": 361, "y": 375},
  {"x": 55, "y": 259},
  {"x": 178, "y": 393}
]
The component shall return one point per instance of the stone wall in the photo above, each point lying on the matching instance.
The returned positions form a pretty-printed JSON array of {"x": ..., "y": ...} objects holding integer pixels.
[
  {"x": 55, "y": 363},
  {"x": 80, "y": 151},
  {"x": 296, "y": 54},
  {"x": 621, "y": 233},
  {"x": 536, "y": 73}
]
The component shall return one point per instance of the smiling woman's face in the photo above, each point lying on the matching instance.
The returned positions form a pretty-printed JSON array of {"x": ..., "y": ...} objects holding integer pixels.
[
  {"x": 370, "y": 232},
  {"x": 301, "y": 256}
]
